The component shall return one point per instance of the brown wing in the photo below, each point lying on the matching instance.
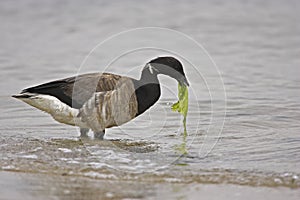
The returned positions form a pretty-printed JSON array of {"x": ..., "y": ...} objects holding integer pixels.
[{"x": 75, "y": 91}]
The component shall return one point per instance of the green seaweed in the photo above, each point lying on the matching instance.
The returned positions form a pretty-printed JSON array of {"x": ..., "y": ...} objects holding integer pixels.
[{"x": 181, "y": 106}]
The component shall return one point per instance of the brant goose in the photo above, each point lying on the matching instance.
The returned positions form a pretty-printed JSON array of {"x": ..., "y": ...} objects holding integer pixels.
[{"x": 98, "y": 101}]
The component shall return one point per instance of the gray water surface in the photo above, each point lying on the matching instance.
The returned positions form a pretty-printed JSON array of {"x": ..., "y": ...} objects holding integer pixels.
[{"x": 255, "y": 44}]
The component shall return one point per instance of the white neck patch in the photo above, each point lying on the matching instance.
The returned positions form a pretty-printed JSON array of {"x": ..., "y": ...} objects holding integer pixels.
[{"x": 151, "y": 68}]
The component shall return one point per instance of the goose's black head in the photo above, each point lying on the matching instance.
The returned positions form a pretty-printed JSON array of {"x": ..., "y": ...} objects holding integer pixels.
[
  {"x": 169, "y": 66},
  {"x": 148, "y": 87}
]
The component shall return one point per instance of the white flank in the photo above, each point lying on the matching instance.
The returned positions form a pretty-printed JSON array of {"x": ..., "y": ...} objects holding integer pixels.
[{"x": 60, "y": 111}]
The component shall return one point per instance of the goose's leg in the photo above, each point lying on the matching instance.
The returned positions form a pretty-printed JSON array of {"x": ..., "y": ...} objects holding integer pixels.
[
  {"x": 83, "y": 132},
  {"x": 99, "y": 135}
]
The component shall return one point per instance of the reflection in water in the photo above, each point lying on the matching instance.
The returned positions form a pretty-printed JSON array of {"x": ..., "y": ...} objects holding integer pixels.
[{"x": 182, "y": 148}]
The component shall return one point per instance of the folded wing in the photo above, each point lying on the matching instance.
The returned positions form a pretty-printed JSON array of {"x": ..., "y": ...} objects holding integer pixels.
[{"x": 77, "y": 90}]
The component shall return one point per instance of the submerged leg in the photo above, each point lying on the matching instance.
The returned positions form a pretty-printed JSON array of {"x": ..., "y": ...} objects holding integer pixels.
[
  {"x": 99, "y": 135},
  {"x": 83, "y": 132}
]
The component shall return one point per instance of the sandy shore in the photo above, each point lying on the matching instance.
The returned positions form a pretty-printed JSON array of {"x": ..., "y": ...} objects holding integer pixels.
[{"x": 15, "y": 186}]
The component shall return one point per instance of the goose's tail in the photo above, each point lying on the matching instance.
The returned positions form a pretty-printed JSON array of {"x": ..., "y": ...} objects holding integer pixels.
[{"x": 23, "y": 95}]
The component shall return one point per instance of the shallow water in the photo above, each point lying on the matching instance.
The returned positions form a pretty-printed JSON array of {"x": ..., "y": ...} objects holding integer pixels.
[{"x": 255, "y": 44}]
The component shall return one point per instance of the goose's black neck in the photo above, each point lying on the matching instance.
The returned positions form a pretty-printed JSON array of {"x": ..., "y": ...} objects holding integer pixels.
[{"x": 147, "y": 90}]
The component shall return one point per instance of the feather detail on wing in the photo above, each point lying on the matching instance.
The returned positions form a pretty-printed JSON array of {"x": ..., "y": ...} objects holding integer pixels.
[
  {"x": 75, "y": 91},
  {"x": 111, "y": 108}
]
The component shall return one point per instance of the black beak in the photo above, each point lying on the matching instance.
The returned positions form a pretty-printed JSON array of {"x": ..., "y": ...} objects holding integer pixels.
[{"x": 184, "y": 81}]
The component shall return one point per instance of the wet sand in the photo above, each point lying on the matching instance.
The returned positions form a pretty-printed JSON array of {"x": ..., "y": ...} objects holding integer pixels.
[{"x": 16, "y": 185}]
